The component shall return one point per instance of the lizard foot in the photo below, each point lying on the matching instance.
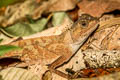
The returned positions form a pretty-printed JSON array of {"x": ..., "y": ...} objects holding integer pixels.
[{"x": 60, "y": 73}]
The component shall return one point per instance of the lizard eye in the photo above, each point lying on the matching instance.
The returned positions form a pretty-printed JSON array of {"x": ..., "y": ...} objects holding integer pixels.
[{"x": 84, "y": 24}]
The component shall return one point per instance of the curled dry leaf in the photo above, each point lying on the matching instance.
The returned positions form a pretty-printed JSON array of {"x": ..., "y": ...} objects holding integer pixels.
[
  {"x": 61, "y": 5},
  {"x": 38, "y": 11},
  {"x": 14, "y": 13},
  {"x": 19, "y": 11},
  {"x": 53, "y": 6},
  {"x": 97, "y": 7},
  {"x": 73, "y": 14},
  {"x": 13, "y": 73},
  {"x": 47, "y": 76}
]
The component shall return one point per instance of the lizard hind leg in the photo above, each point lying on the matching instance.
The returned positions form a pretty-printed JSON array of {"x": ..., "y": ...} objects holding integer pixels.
[{"x": 65, "y": 53}]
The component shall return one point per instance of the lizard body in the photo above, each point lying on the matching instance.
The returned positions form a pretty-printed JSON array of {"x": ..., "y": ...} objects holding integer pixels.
[{"x": 62, "y": 46}]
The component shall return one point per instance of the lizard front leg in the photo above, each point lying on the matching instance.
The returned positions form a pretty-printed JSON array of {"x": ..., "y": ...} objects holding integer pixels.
[
  {"x": 52, "y": 67},
  {"x": 65, "y": 55}
]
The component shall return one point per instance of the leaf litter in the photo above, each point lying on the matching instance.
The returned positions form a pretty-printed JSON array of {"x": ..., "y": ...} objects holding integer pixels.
[{"x": 14, "y": 24}]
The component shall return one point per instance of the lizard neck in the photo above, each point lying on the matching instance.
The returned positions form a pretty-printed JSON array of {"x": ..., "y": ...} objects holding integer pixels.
[
  {"x": 66, "y": 37},
  {"x": 77, "y": 35}
]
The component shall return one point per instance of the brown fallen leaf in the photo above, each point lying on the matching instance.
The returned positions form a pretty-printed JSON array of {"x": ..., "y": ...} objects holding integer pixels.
[
  {"x": 15, "y": 12},
  {"x": 33, "y": 8},
  {"x": 90, "y": 73},
  {"x": 61, "y": 5},
  {"x": 73, "y": 14},
  {"x": 18, "y": 11},
  {"x": 38, "y": 11},
  {"x": 97, "y": 7},
  {"x": 13, "y": 73},
  {"x": 107, "y": 36},
  {"x": 114, "y": 76}
]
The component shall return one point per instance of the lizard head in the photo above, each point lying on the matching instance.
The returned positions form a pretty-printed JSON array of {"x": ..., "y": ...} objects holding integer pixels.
[{"x": 83, "y": 28}]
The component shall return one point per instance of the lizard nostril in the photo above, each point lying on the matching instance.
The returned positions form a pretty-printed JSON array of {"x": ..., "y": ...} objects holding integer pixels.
[{"x": 76, "y": 62}]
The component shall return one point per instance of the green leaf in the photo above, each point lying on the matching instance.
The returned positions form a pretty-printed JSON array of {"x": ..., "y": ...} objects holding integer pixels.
[
  {"x": 24, "y": 28},
  {"x": 6, "y": 48},
  {"x": 1, "y": 40},
  {"x": 58, "y": 18},
  {"x": 7, "y": 2},
  {"x": 29, "y": 18}
]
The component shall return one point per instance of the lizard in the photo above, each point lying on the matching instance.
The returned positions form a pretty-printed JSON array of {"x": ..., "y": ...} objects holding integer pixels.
[{"x": 65, "y": 45}]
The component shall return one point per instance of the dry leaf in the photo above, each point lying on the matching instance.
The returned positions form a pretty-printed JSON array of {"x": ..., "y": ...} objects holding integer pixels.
[
  {"x": 17, "y": 74},
  {"x": 96, "y": 72},
  {"x": 14, "y": 13},
  {"x": 61, "y": 5},
  {"x": 54, "y": 30},
  {"x": 97, "y": 7},
  {"x": 73, "y": 14},
  {"x": 107, "y": 36},
  {"x": 114, "y": 76}
]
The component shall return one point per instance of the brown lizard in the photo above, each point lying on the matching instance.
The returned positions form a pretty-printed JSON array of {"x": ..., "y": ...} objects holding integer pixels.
[{"x": 65, "y": 45}]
